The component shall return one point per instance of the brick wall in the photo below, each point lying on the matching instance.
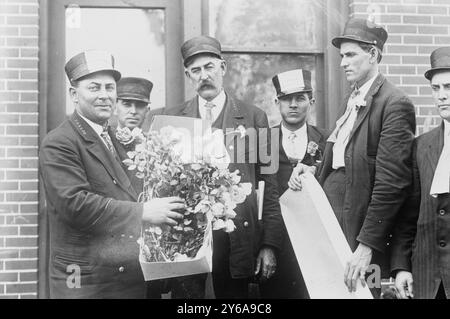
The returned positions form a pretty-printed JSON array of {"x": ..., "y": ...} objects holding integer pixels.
[
  {"x": 416, "y": 28},
  {"x": 18, "y": 148}
]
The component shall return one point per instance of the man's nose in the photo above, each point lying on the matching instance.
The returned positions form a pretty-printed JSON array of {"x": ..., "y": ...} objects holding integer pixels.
[
  {"x": 442, "y": 94},
  {"x": 343, "y": 62},
  {"x": 293, "y": 103},
  {"x": 133, "y": 108},
  {"x": 203, "y": 74}
]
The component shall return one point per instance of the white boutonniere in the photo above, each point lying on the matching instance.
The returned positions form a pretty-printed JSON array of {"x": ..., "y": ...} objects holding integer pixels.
[
  {"x": 127, "y": 137},
  {"x": 239, "y": 130},
  {"x": 359, "y": 103}
]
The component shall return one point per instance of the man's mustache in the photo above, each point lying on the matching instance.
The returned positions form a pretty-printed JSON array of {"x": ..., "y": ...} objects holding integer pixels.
[{"x": 207, "y": 85}]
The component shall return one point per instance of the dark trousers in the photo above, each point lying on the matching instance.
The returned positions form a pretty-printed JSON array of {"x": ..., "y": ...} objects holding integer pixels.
[
  {"x": 335, "y": 189},
  {"x": 193, "y": 287},
  {"x": 441, "y": 292},
  {"x": 287, "y": 282}
]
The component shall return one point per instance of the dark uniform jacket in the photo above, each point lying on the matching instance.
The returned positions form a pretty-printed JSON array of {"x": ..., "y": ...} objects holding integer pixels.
[
  {"x": 377, "y": 167},
  {"x": 421, "y": 240},
  {"x": 94, "y": 218},
  {"x": 288, "y": 281},
  {"x": 247, "y": 238}
]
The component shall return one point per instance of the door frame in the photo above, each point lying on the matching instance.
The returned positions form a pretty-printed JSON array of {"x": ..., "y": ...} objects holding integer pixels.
[{"x": 52, "y": 83}]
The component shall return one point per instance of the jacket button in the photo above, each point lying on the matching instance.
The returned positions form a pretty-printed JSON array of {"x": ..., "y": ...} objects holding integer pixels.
[
  {"x": 442, "y": 243},
  {"x": 379, "y": 222},
  {"x": 442, "y": 212},
  {"x": 245, "y": 224},
  {"x": 122, "y": 235},
  {"x": 231, "y": 147},
  {"x": 121, "y": 269},
  {"x": 114, "y": 181}
]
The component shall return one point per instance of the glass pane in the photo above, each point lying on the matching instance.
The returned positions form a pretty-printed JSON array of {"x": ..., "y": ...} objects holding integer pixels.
[
  {"x": 135, "y": 37},
  {"x": 267, "y": 24},
  {"x": 249, "y": 78}
]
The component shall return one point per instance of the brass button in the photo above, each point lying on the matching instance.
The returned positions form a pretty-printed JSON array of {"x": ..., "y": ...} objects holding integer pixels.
[
  {"x": 131, "y": 237},
  {"x": 114, "y": 181},
  {"x": 121, "y": 269},
  {"x": 442, "y": 243},
  {"x": 245, "y": 224},
  {"x": 442, "y": 212}
]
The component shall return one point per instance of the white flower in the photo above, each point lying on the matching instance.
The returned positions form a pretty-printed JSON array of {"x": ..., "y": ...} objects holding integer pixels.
[
  {"x": 180, "y": 257},
  {"x": 219, "y": 224},
  {"x": 218, "y": 209},
  {"x": 230, "y": 213},
  {"x": 229, "y": 226},
  {"x": 246, "y": 188}
]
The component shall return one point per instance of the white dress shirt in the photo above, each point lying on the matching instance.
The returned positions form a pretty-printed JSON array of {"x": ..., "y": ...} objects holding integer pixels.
[
  {"x": 441, "y": 179},
  {"x": 218, "y": 101},
  {"x": 295, "y": 142},
  {"x": 344, "y": 125}
]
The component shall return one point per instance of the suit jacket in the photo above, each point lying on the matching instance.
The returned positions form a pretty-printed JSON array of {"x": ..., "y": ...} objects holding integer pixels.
[
  {"x": 376, "y": 184},
  {"x": 315, "y": 134},
  {"x": 94, "y": 218},
  {"x": 247, "y": 238},
  {"x": 424, "y": 223},
  {"x": 288, "y": 270}
]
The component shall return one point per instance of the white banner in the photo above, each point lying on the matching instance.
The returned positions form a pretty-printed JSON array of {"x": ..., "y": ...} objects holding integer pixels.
[{"x": 318, "y": 241}]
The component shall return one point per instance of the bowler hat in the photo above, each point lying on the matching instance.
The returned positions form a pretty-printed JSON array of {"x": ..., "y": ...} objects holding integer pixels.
[
  {"x": 294, "y": 81},
  {"x": 88, "y": 62},
  {"x": 198, "y": 45},
  {"x": 131, "y": 88},
  {"x": 363, "y": 31},
  {"x": 440, "y": 60}
]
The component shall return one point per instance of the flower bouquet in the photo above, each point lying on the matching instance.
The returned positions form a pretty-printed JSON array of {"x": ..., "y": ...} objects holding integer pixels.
[{"x": 210, "y": 190}]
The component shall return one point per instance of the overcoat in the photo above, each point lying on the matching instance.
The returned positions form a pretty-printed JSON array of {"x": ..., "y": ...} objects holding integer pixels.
[
  {"x": 421, "y": 240},
  {"x": 94, "y": 217},
  {"x": 378, "y": 169},
  {"x": 250, "y": 234}
]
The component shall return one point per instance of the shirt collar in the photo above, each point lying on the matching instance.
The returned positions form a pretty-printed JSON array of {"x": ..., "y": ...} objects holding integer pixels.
[
  {"x": 218, "y": 101},
  {"x": 299, "y": 132},
  {"x": 364, "y": 89},
  {"x": 96, "y": 127},
  {"x": 446, "y": 131}
]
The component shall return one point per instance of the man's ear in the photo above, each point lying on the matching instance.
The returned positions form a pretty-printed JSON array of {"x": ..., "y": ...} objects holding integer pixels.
[
  {"x": 73, "y": 94},
  {"x": 223, "y": 65},
  {"x": 277, "y": 101},
  {"x": 186, "y": 72},
  {"x": 312, "y": 102}
]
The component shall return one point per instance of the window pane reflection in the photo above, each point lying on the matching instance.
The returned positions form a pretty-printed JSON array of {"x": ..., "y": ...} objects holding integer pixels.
[
  {"x": 136, "y": 38},
  {"x": 249, "y": 78},
  {"x": 267, "y": 24}
]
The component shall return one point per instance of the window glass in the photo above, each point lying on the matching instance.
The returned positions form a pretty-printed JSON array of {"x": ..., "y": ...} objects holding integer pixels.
[
  {"x": 249, "y": 78},
  {"x": 267, "y": 24},
  {"x": 135, "y": 37}
]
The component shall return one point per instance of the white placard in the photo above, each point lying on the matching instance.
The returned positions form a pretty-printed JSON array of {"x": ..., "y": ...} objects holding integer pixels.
[{"x": 318, "y": 241}]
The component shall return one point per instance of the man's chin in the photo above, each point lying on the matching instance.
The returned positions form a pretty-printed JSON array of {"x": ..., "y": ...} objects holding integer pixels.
[{"x": 208, "y": 94}]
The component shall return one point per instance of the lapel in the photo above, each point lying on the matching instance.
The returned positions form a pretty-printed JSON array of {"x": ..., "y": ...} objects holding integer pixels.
[
  {"x": 191, "y": 108},
  {"x": 435, "y": 149},
  {"x": 97, "y": 148},
  {"x": 369, "y": 98},
  {"x": 232, "y": 118},
  {"x": 282, "y": 153}
]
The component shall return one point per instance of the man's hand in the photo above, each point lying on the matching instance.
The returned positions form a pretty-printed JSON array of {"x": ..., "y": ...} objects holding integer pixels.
[
  {"x": 404, "y": 284},
  {"x": 266, "y": 263},
  {"x": 161, "y": 210},
  {"x": 357, "y": 266},
  {"x": 294, "y": 182}
]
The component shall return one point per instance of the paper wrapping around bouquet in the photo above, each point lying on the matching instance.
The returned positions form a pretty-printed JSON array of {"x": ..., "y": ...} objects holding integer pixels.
[
  {"x": 202, "y": 263},
  {"x": 318, "y": 242}
]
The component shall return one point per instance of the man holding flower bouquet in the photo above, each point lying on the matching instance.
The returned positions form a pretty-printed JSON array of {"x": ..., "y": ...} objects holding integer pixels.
[
  {"x": 94, "y": 217},
  {"x": 300, "y": 145},
  {"x": 248, "y": 250}
]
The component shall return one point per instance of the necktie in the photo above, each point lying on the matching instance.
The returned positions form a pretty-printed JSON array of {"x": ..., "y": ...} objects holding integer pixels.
[
  {"x": 209, "y": 116},
  {"x": 108, "y": 140},
  {"x": 441, "y": 179},
  {"x": 291, "y": 139}
]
